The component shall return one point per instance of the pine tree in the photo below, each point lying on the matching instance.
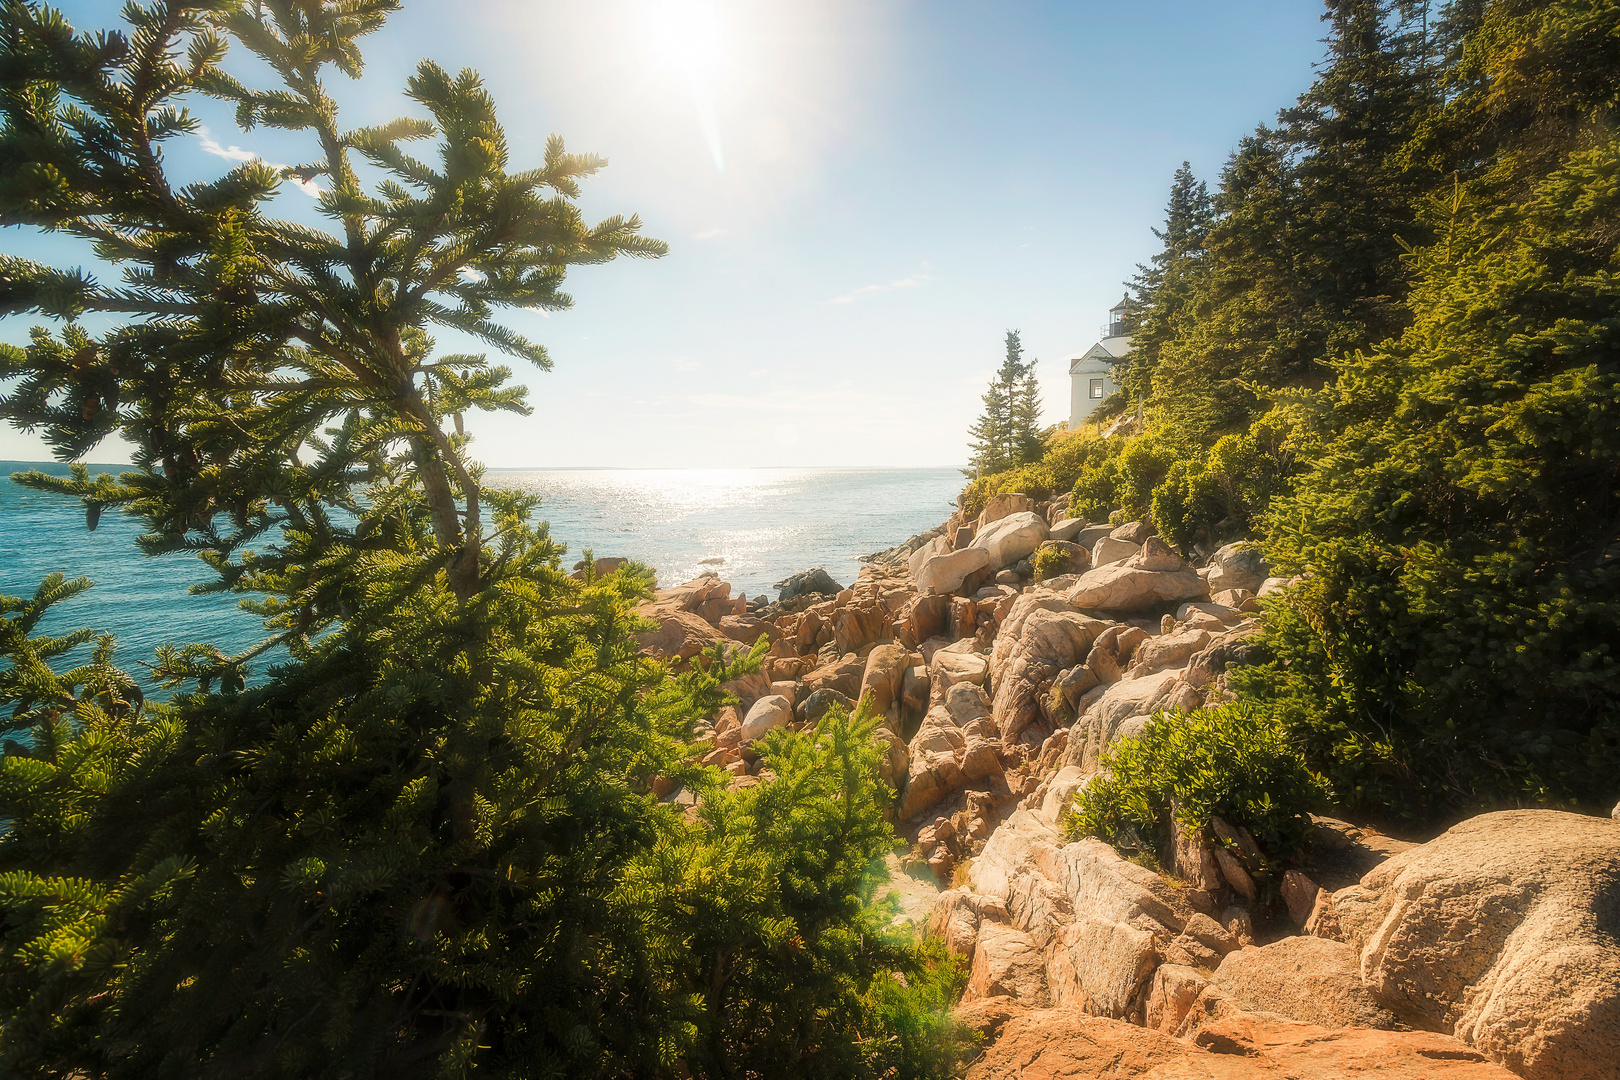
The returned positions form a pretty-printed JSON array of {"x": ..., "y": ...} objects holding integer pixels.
[
  {"x": 1299, "y": 256},
  {"x": 1008, "y": 434},
  {"x": 1356, "y": 188},
  {"x": 1167, "y": 286},
  {"x": 1462, "y": 520},
  {"x": 423, "y": 845}
]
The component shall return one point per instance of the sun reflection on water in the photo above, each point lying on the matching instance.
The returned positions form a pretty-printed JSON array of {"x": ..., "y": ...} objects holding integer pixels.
[{"x": 761, "y": 524}]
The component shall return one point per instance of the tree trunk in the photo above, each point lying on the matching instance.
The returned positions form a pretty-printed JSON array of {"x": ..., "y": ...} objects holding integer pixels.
[{"x": 462, "y": 545}]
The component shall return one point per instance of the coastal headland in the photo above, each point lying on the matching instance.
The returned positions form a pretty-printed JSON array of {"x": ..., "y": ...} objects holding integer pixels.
[{"x": 1006, "y": 653}]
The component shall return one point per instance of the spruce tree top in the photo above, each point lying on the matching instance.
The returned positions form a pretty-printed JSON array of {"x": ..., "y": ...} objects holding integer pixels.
[{"x": 260, "y": 367}]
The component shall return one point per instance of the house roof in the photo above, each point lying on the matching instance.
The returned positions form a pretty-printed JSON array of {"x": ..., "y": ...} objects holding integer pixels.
[{"x": 1105, "y": 351}]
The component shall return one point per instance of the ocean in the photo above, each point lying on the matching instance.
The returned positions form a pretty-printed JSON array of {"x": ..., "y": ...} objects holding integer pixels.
[{"x": 752, "y": 527}]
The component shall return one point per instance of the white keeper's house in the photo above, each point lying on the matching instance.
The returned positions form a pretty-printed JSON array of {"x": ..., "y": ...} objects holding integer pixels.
[{"x": 1091, "y": 373}]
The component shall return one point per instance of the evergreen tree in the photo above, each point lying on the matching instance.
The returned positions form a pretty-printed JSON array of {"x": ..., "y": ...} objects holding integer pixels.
[
  {"x": 1300, "y": 259},
  {"x": 1166, "y": 288},
  {"x": 1008, "y": 434},
  {"x": 427, "y": 844},
  {"x": 1357, "y": 191},
  {"x": 1461, "y": 520},
  {"x": 1395, "y": 361}
]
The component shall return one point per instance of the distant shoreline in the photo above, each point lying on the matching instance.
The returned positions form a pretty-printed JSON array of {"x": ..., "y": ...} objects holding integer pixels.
[{"x": 583, "y": 468}]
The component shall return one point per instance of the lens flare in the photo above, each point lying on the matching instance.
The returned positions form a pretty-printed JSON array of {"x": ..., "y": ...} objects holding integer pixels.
[{"x": 690, "y": 36}]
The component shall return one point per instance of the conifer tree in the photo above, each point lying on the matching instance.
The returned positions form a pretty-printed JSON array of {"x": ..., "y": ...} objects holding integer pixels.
[
  {"x": 1166, "y": 287},
  {"x": 1008, "y": 434},
  {"x": 1299, "y": 251},
  {"x": 1453, "y": 648},
  {"x": 423, "y": 845}
]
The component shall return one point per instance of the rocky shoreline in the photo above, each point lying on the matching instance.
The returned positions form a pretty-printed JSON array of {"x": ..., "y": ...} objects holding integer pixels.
[{"x": 1489, "y": 951}]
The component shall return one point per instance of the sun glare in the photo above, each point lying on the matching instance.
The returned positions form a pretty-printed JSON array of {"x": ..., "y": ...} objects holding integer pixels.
[{"x": 688, "y": 34}]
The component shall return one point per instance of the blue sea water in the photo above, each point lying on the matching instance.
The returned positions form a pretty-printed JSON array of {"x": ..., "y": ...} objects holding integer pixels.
[{"x": 753, "y": 527}]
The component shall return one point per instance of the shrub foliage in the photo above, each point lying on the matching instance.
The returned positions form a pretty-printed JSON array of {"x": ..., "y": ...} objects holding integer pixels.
[{"x": 1234, "y": 762}]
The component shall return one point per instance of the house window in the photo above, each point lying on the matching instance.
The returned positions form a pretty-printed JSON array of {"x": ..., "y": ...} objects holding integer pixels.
[{"x": 1096, "y": 388}]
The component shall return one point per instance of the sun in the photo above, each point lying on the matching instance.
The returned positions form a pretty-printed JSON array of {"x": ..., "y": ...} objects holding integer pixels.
[{"x": 688, "y": 34}]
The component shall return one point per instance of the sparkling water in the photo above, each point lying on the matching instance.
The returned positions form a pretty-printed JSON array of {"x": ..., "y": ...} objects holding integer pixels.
[{"x": 752, "y": 527}]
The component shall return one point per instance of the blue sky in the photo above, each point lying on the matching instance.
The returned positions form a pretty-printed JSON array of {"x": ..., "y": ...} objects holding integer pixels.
[{"x": 860, "y": 199}]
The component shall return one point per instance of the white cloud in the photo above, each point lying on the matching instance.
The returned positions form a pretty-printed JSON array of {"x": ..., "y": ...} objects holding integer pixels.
[
  {"x": 911, "y": 282},
  {"x": 231, "y": 153},
  {"x": 236, "y": 153},
  {"x": 684, "y": 365},
  {"x": 708, "y": 234}
]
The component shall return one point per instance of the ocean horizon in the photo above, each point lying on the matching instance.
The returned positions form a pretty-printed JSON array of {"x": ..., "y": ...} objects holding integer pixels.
[{"x": 751, "y": 526}]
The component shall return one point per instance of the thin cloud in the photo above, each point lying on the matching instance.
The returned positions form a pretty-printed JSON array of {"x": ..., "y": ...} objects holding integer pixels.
[
  {"x": 236, "y": 153},
  {"x": 708, "y": 234},
  {"x": 912, "y": 282}
]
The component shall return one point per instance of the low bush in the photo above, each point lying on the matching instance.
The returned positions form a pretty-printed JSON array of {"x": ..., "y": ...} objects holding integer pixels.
[
  {"x": 1032, "y": 480},
  {"x": 1048, "y": 561},
  {"x": 1233, "y": 761}
]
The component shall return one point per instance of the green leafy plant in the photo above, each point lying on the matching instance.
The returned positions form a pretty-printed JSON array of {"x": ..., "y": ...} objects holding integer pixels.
[
  {"x": 1233, "y": 761},
  {"x": 1048, "y": 561}
]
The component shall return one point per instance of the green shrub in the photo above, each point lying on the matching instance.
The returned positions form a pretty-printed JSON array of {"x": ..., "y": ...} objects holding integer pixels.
[
  {"x": 1032, "y": 480},
  {"x": 1048, "y": 562},
  {"x": 1234, "y": 761},
  {"x": 1221, "y": 495}
]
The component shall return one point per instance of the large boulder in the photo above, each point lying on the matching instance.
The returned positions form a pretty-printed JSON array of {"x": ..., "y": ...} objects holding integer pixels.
[
  {"x": 925, "y": 616},
  {"x": 1176, "y": 988},
  {"x": 694, "y": 596},
  {"x": 956, "y": 917},
  {"x": 1099, "y": 921},
  {"x": 1107, "y": 551},
  {"x": 885, "y": 672},
  {"x": 1088, "y": 536},
  {"x": 748, "y": 689},
  {"x": 1006, "y": 963},
  {"x": 939, "y": 545},
  {"x": 1237, "y": 566},
  {"x": 1109, "y": 717},
  {"x": 843, "y": 675},
  {"x": 1504, "y": 931},
  {"x": 817, "y": 703},
  {"x": 1156, "y": 555},
  {"x": 1066, "y": 529},
  {"x": 1011, "y": 538},
  {"x": 1302, "y": 978},
  {"x": 806, "y": 581},
  {"x": 952, "y": 665},
  {"x": 945, "y": 573},
  {"x": 1067, "y": 1044},
  {"x": 1133, "y": 532},
  {"x": 768, "y": 713},
  {"x": 939, "y": 764},
  {"x": 1004, "y": 505},
  {"x": 1234, "y": 648},
  {"x": 860, "y": 624},
  {"x": 747, "y": 629},
  {"x": 1038, "y": 639},
  {"x": 1170, "y": 650},
  {"x": 678, "y": 635},
  {"x": 1128, "y": 588}
]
